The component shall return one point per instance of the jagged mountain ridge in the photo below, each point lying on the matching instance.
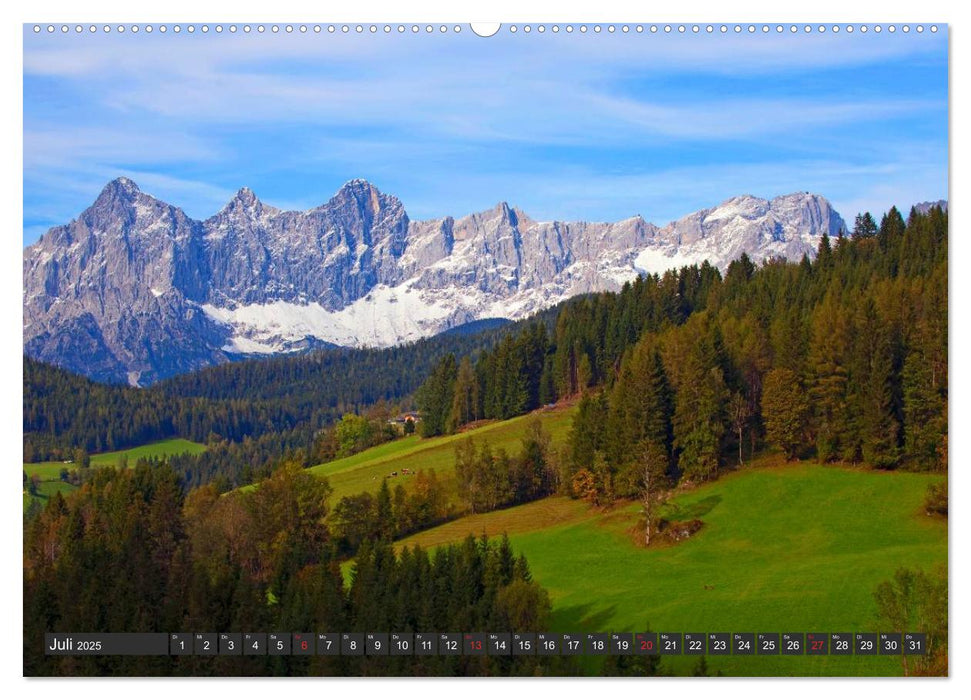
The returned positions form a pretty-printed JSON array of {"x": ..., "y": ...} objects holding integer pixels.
[
  {"x": 135, "y": 290},
  {"x": 925, "y": 207}
]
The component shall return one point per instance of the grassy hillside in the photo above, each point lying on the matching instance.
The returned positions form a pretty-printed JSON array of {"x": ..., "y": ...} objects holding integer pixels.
[
  {"x": 50, "y": 472},
  {"x": 46, "y": 489},
  {"x": 784, "y": 548},
  {"x": 163, "y": 448},
  {"x": 364, "y": 471}
]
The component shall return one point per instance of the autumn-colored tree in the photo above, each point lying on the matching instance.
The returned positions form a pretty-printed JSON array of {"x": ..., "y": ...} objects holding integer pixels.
[{"x": 584, "y": 485}]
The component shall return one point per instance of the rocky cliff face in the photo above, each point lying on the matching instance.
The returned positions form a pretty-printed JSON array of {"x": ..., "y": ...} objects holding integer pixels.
[
  {"x": 134, "y": 290},
  {"x": 108, "y": 294},
  {"x": 786, "y": 227},
  {"x": 333, "y": 254}
]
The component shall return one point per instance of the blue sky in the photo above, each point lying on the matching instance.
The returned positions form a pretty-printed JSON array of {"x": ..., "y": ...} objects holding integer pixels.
[{"x": 569, "y": 126}]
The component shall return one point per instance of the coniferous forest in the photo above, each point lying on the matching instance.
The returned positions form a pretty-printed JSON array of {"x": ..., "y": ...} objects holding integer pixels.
[
  {"x": 678, "y": 377},
  {"x": 251, "y": 414},
  {"x": 131, "y": 552},
  {"x": 843, "y": 358}
]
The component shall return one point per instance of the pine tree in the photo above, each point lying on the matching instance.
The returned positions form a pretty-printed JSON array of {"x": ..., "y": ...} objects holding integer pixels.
[
  {"x": 650, "y": 409},
  {"x": 639, "y": 409},
  {"x": 603, "y": 479},
  {"x": 864, "y": 226},
  {"x": 547, "y": 383},
  {"x": 824, "y": 254},
  {"x": 534, "y": 474},
  {"x": 891, "y": 226},
  {"x": 587, "y": 433},
  {"x": 434, "y": 397},
  {"x": 923, "y": 409},
  {"x": 618, "y": 429},
  {"x": 465, "y": 399},
  {"x": 828, "y": 357},
  {"x": 584, "y": 372},
  {"x": 384, "y": 512},
  {"x": 785, "y": 411},
  {"x": 700, "y": 397},
  {"x": 789, "y": 340},
  {"x": 699, "y": 424},
  {"x": 535, "y": 344},
  {"x": 879, "y": 428}
]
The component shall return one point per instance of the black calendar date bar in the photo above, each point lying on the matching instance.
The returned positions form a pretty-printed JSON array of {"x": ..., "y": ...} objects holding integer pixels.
[
  {"x": 485, "y": 644},
  {"x": 106, "y": 644}
]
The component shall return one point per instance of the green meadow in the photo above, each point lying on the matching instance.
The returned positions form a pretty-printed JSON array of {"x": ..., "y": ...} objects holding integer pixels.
[
  {"x": 50, "y": 472},
  {"x": 163, "y": 448},
  {"x": 796, "y": 547},
  {"x": 784, "y": 548},
  {"x": 365, "y": 470}
]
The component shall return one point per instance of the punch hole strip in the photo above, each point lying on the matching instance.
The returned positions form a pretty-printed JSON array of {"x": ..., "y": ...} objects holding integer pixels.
[{"x": 485, "y": 30}]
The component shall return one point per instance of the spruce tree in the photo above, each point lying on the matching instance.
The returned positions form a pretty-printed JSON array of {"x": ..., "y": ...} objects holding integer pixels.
[
  {"x": 434, "y": 397},
  {"x": 465, "y": 397},
  {"x": 547, "y": 383},
  {"x": 879, "y": 428},
  {"x": 785, "y": 411},
  {"x": 828, "y": 356},
  {"x": 824, "y": 254},
  {"x": 700, "y": 398},
  {"x": 864, "y": 226},
  {"x": 384, "y": 512},
  {"x": 587, "y": 433},
  {"x": 924, "y": 416},
  {"x": 639, "y": 406}
]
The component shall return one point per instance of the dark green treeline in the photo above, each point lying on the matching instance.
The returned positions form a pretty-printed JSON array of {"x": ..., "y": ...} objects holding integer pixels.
[
  {"x": 842, "y": 358},
  {"x": 129, "y": 552}
]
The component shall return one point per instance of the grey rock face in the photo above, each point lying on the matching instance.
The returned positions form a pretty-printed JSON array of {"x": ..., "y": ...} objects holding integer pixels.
[
  {"x": 106, "y": 295},
  {"x": 333, "y": 254},
  {"x": 925, "y": 207},
  {"x": 134, "y": 290},
  {"x": 787, "y": 226}
]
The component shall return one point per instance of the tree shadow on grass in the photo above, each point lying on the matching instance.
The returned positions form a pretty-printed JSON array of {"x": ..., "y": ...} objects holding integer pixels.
[
  {"x": 584, "y": 618},
  {"x": 692, "y": 511}
]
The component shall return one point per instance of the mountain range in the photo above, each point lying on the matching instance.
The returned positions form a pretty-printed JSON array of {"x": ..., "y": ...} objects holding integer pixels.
[{"x": 134, "y": 290}]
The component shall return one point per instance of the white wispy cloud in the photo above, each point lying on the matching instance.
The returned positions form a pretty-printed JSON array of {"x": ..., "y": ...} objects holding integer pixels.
[
  {"x": 564, "y": 125},
  {"x": 458, "y": 86}
]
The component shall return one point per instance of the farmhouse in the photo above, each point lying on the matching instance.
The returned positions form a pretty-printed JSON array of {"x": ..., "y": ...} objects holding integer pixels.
[{"x": 400, "y": 421}]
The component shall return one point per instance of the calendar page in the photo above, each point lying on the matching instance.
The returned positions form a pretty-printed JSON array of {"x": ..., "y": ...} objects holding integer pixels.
[{"x": 516, "y": 349}]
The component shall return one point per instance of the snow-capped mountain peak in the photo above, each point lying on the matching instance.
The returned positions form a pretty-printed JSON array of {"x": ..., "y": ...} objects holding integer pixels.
[
  {"x": 788, "y": 226},
  {"x": 135, "y": 288}
]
